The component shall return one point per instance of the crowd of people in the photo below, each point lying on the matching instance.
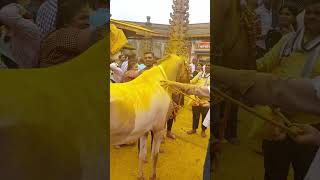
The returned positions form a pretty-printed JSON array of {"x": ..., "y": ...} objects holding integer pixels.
[
  {"x": 273, "y": 24},
  {"x": 43, "y": 33},
  {"x": 287, "y": 77},
  {"x": 290, "y": 22}
]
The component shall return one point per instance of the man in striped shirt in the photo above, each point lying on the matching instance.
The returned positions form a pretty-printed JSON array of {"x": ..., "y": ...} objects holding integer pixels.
[{"x": 46, "y": 17}]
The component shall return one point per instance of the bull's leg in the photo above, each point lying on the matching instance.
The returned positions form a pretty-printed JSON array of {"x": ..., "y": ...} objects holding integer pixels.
[
  {"x": 145, "y": 159},
  {"x": 142, "y": 155},
  {"x": 155, "y": 152}
]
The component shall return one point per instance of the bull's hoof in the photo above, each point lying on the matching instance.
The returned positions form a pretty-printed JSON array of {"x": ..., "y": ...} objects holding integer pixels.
[
  {"x": 141, "y": 178},
  {"x": 145, "y": 160},
  {"x": 154, "y": 177}
]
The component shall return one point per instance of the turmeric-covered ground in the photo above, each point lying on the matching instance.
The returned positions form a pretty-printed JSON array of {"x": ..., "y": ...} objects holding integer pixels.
[
  {"x": 183, "y": 158},
  {"x": 242, "y": 162}
]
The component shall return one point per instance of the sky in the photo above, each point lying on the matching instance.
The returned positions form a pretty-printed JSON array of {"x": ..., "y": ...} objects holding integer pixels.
[{"x": 159, "y": 10}]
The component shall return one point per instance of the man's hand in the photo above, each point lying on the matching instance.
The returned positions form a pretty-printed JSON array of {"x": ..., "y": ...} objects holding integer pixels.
[
  {"x": 272, "y": 132},
  {"x": 204, "y": 103},
  {"x": 310, "y": 135},
  {"x": 166, "y": 83},
  {"x": 27, "y": 15},
  {"x": 176, "y": 108},
  {"x": 278, "y": 134}
]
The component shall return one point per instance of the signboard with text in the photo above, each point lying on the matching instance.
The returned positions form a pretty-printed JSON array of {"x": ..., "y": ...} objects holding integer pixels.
[{"x": 203, "y": 46}]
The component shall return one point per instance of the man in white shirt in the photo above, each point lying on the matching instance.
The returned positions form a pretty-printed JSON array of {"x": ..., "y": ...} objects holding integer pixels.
[
  {"x": 116, "y": 71},
  {"x": 193, "y": 65},
  {"x": 265, "y": 16},
  {"x": 124, "y": 65},
  {"x": 130, "y": 56},
  {"x": 206, "y": 75},
  {"x": 202, "y": 79}
]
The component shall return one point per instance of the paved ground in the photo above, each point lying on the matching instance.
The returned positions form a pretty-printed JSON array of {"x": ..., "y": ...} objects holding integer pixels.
[{"x": 183, "y": 158}]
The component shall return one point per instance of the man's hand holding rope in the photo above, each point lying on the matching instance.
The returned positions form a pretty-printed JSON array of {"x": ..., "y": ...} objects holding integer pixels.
[{"x": 188, "y": 89}]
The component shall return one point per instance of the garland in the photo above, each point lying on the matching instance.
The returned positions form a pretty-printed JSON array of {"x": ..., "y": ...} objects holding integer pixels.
[{"x": 251, "y": 23}]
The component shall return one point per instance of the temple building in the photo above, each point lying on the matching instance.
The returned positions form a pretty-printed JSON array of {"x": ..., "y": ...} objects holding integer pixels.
[{"x": 148, "y": 36}]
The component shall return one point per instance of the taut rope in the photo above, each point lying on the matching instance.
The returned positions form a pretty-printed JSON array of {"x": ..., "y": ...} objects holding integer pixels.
[{"x": 291, "y": 129}]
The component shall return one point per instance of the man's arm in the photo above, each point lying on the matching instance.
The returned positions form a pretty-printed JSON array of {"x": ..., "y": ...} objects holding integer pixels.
[
  {"x": 203, "y": 91},
  {"x": 12, "y": 16},
  {"x": 267, "y": 89},
  {"x": 272, "y": 58},
  {"x": 115, "y": 69},
  {"x": 310, "y": 136},
  {"x": 196, "y": 78}
]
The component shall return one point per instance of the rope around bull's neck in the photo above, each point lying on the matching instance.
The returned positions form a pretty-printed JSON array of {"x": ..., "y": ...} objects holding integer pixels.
[
  {"x": 175, "y": 89},
  {"x": 187, "y": 95}
]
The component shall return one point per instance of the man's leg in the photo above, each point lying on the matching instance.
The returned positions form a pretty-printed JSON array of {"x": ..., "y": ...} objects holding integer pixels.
[
  {"x": 277, "y": 159},
  {"x": 232, "y": 125},
  {"x": 169, "y": 124},
  {"x": 204, "y": 111},
  {"x": 151, "y": 139},
  {"x": 213, "y": 145},
  {"x": 195, "y": 119},
  {"x": 206, "y": 167},
  {"x": 302, "y": 158},
  {"x": 221, "y": 123},
  {"x": 169, "y": 127},
  {"x": 218, "y": 123}
]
